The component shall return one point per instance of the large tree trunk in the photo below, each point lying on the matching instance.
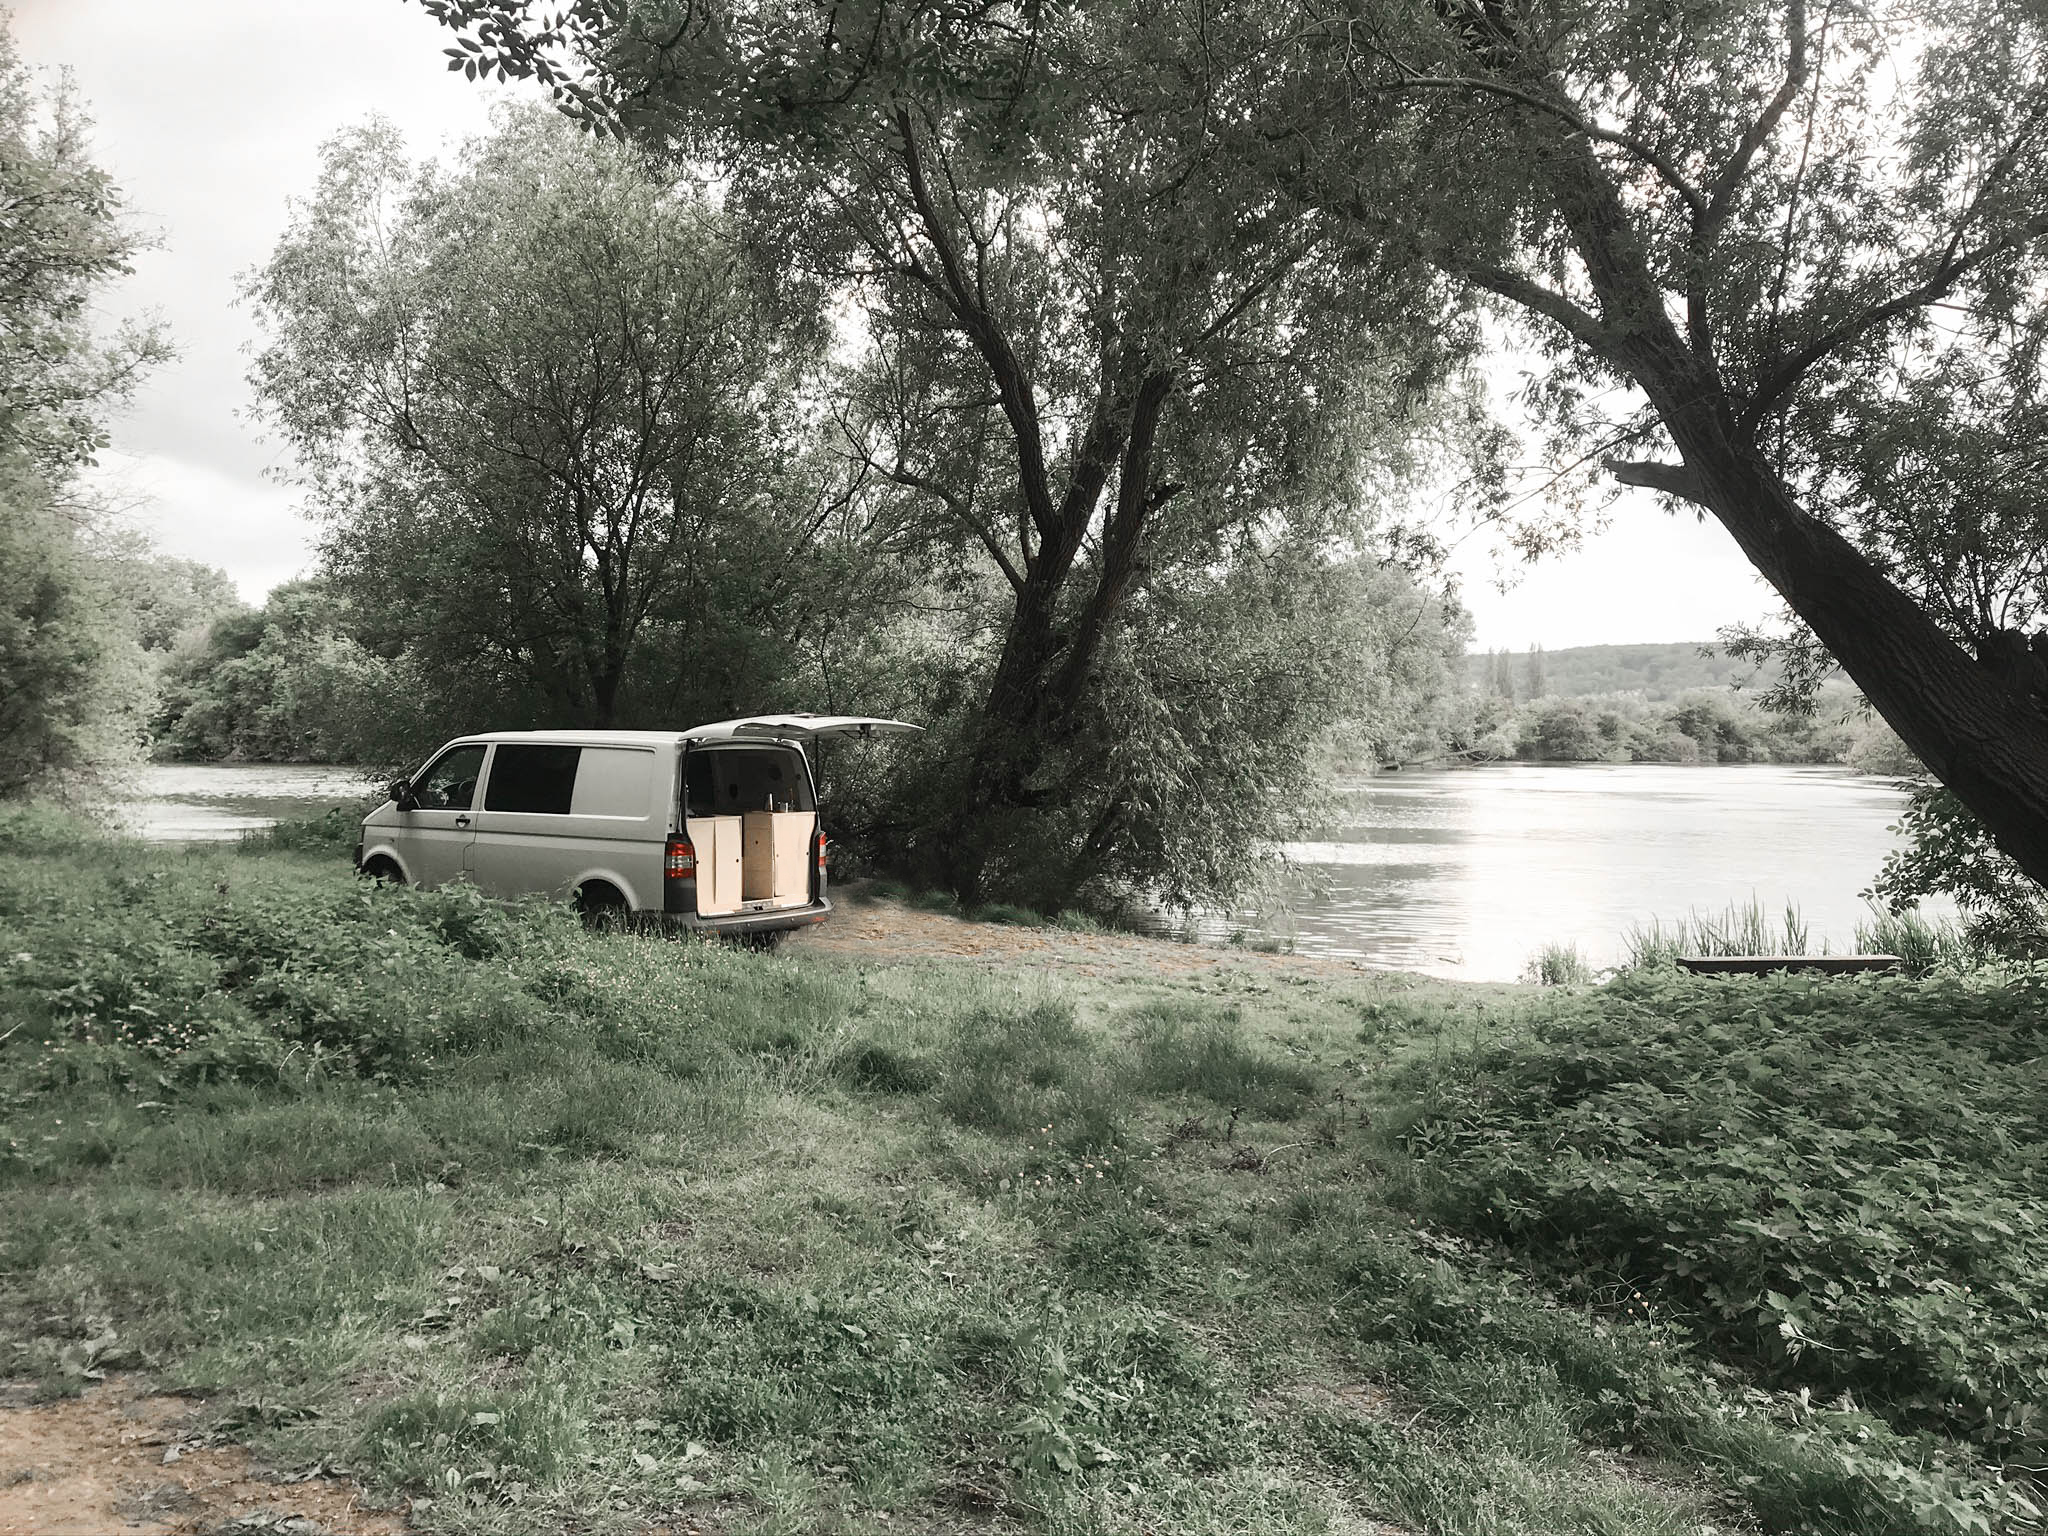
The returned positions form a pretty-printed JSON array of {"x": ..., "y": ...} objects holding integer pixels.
[{"x": 1975, "y": 729}]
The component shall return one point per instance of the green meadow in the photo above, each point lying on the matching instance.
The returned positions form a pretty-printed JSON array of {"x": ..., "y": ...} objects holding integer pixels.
[{"x": 533, "y": 1229}]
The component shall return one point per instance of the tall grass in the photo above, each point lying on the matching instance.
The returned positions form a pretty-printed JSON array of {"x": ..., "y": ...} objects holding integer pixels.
[
  {"x": 1749, "y": 929},
  {"x": 1745, "y": 929},
  {"x": 1925, "y": 947},
  {"x": 1559, "y": 965}
]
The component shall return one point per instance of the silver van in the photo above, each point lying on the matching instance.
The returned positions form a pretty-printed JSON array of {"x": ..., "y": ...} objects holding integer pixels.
[{"x": 713, "y": 828}]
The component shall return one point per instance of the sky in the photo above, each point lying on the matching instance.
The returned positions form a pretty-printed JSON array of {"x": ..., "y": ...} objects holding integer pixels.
[{"x": 210, "y": 115}]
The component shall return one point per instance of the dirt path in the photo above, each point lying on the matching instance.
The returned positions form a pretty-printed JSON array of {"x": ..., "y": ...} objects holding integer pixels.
[
  {"x": 890, "y": 930},
  {"x": 118, "y": 1459}
]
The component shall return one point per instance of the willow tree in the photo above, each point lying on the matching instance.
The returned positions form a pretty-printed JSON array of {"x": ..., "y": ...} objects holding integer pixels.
[
  {"x": 1782, "y": 224},
  {"x": 550, "y": 430},
  {"x": 1093, "y": 352}
]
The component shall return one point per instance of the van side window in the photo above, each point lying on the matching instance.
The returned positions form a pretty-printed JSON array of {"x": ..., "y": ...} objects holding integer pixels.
[
  {"x": 534, "y": 779},
  {"x": 614, "y": 781},
  {"x": 450, "y": 783}
]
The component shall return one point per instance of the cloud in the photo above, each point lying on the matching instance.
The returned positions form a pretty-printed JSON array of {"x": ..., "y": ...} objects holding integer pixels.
[
  {"x": 252, "y": 529},
  {"x": 209, "y": 114},
  {"x": 1647, "y": 577}
]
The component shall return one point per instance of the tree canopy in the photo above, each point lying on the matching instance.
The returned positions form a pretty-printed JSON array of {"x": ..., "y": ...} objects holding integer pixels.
[
  {"x": 71, "y": 688},
  {"x": 549, "y": 430},
  {"x": 1810, "y": 238},
  {"x": 1101, "y": 359}
]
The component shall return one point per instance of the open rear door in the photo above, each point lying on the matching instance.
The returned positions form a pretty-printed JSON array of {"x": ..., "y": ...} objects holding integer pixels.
[{"x": 797, "y": 727}]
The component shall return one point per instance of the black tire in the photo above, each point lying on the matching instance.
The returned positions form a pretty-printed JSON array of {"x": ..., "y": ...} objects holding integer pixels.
[
  {"x": 602, "y": 909},
  {"x": 383, "y": 871}
]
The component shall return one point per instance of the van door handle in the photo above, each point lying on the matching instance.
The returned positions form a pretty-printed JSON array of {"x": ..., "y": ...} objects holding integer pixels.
[{"x": 462, "y": 821}]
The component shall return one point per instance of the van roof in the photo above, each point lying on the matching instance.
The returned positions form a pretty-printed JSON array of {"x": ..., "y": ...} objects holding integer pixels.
[
  {"x": 791, "y": 729},
  {"x": 584, "y": 738}
]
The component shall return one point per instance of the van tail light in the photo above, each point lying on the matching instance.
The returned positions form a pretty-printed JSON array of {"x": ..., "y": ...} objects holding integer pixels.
[
  {"x": 681, "y": 862},
  {"x": 822, "y": 858}
]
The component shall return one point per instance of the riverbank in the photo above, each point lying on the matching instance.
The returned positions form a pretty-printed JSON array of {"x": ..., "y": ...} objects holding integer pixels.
[
  {"x": 1465, "y": 874},
  {"x": 905, "y": 1227}
]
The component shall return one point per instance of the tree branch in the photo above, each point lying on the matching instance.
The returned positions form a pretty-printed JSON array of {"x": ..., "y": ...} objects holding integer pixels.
[
  {"x": 1648, "y": 153},
  {"x": 1582, "y": 325},
  {"x": 1949, "y": 270},
  {"x": 1707, "y": 226},
  {"x": 1670, "y": 479},
  {"x": 1012, "y": 383}
]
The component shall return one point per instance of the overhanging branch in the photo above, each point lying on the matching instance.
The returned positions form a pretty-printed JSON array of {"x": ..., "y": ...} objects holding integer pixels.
[{"x": 1670, "y": 479}]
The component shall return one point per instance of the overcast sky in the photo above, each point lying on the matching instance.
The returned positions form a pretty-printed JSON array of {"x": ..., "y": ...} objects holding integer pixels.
[{"x": 210, "y": 115}]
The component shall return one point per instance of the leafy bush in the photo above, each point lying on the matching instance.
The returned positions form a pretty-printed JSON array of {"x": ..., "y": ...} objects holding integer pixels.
[
  {"x": 172, "y": 970},
  {"x": 1946, "y": 852},
  {"x": 1837, "y": 1183},
  {"x": 333, "y": 830}
]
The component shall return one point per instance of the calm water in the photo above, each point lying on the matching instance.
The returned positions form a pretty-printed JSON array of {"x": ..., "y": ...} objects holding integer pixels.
[
  {"x": 1457, "y": 872},
  {"x": 1468, "y": 872},
  {"x": 198, "y": 802}
]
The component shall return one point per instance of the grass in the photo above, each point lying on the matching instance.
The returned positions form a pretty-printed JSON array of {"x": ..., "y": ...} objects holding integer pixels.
[
  {"x": 1747, "y": 929},
  {"x": 536, "y": 1229},
  {"x": 1559, "y": 965},
  {"x": 1925, "y": 947}
]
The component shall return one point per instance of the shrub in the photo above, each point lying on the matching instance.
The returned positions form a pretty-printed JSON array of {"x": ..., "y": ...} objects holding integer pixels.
[{"x": 1838, "y": 1182}]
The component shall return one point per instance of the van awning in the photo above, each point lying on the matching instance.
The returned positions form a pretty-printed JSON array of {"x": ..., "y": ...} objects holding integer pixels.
[{"x": 797, "y": 727}]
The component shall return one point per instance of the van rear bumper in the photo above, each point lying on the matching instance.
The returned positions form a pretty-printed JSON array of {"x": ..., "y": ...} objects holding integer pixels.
[{"x": 748, "y": 922}]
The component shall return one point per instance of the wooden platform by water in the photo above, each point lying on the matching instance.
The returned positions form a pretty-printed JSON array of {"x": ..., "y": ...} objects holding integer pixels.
[{"x": 1762, "y": 965}]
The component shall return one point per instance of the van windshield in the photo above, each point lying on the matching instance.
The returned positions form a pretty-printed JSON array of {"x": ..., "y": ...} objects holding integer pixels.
[{"x": 724, "y": 781}]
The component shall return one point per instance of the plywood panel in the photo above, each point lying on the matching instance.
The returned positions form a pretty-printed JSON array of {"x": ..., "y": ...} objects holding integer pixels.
[
  {"x": 717, "y": 841},
  {"x": 793, "y": 831},
  {"x": 757, "y": 856}
]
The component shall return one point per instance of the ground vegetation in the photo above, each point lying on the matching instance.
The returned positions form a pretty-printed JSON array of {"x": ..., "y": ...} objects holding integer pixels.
[{"x": 519, "y": 1222}]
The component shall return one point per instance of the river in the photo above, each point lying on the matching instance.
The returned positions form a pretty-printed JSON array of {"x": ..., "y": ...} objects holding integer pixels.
[
  {"x": 1463, "y": 872},
  {"x": 1468, "y": 872}
]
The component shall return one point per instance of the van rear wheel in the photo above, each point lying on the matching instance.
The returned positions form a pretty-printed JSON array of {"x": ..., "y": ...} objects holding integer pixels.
[{"x": 602, "y": 908}]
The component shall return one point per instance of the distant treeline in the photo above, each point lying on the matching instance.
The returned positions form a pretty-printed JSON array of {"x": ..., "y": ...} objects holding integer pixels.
[
  {"x": 1581, "y": 671},
  {"x": 1700, "y": 725}
]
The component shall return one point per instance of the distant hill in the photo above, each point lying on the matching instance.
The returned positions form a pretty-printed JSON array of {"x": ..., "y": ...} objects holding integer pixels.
[{"x": 1655, "y": 671}]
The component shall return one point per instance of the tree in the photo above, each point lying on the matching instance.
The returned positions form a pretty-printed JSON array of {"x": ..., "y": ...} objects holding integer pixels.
[
  {"x": 551, "y": 432},
  {"x": 289, "y": 682},
  {"x": 1101, "y": 363},
  {"x": 1533, "y": 671},
  {"x": 71, "y": 685},
  {"x": 1749, "y": 213},
  {"x": 1501, "y": 671}
]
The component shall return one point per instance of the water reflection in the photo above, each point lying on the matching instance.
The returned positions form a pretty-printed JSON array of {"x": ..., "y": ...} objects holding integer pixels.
[
  {"x": 1468, "y": 872},
  {"x": 202, "y": 802}
]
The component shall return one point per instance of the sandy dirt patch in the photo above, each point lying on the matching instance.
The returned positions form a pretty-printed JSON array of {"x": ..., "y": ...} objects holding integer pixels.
[
  {"x": 889, "y": 930},
  {"x": 122, "y": 1459}
]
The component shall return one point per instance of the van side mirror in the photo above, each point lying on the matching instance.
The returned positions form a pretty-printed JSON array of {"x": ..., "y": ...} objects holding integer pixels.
[{"x": 401, "y": 793}]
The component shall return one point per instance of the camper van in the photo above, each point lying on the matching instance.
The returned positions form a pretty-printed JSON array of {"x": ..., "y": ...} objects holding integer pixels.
[{"x": 713, "y": 828}]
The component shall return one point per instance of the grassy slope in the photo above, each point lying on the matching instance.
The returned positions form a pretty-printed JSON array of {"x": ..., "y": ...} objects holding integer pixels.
[{"x": 545, "y": 1230}]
